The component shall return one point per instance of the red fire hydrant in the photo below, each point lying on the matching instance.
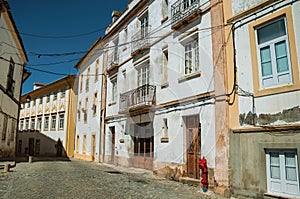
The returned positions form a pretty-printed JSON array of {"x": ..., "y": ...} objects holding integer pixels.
[{"x": 203, "y": 166}]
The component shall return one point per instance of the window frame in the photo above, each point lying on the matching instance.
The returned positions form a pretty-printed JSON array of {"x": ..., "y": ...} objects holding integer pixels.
[
  {"x": 282, "y": 169},
  {"x": 61, "y": 117},
  {"x": 295, "y": 84}
]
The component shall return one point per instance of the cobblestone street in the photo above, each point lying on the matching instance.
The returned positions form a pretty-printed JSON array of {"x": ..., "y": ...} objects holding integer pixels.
[{"x": 79, "y": 179}]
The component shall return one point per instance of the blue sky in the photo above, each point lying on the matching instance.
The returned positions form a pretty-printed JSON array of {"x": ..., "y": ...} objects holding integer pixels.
[{"x": 57, "y": 27}]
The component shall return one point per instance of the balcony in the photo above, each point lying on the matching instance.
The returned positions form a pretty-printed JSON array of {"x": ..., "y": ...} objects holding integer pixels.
[
  {"x": 184, "y": 11},
  {"x": 113, "y": 60},
  {"x": 141, "y": 97},
  {"x": 140, "y": 41}
]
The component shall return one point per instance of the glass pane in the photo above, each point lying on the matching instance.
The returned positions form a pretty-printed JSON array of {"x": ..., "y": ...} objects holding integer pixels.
[
  {"x": 290, "y": 159},
  {"x": 281, "y": 57},
  {"x": 291, "y": 173},
  {"x": 274, "y": 158},
  {"x": 271, "y": 31},
  {"x": 275, "y": 172},
  {"x": 266, "y": 64}
]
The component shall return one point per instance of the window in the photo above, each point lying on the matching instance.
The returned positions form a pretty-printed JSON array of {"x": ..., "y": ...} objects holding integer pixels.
[
  {"x": 48, "y": 98},
  {"x": 79, "y": 110},
  {"x": 144, "y": 25},
  {"x": 77, "y": 143},
  {"x": 54, "y": 96},
  {"x": 165, "y": 61},
  {"x": 95, "y": 104},
  {"x": 165, "y": 4},
  {"x": 13, "y": 129},
  {"x": 32, "y": 126},
  {"x": 114, "y": 90},
  {"x": 26, "y": 124},
  {"x": 86, "y": 110},
  {"x": 63, "y": 93},
  {"x": 10, "y": 87},
  {"x": 273, "y": 53},
  {"x": 41, "y": 100},
  {"x": 87, "y": 80},
  {"x": 84, "y": 144},
  {"x": 143, "y": 75},
  {"x": 21, "y": 125},
  {"x": 61, "y": 121},
  {"x": 33, "y": 102},
  {"x": 282, "y": 172},
  {"x": 80, "y": 87},
  {"x": 39, "y": 123},
  {"x": 53, "y": 122},
  {"x": 46, "y": 123},
  {"x": 96, "y": 70},
  {"x": 191, "y": 56},
  {"x": 4, "y": 128}
]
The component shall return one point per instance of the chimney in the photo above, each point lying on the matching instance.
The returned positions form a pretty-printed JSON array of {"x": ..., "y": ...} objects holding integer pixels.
[
  {"x": 115, "y": 15},
  {"x": 37, "y": 85}
]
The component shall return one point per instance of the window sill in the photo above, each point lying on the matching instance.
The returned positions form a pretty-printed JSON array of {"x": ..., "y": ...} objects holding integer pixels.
[
  {"x": 189, "y": 76},
  {"x": 164, "y": 139},
  {"x": 112, "y": 103},
  {"x": 164, "y": 85},
  {"x": 164, "y": 19},
  {"x": 272, "y": 195}
]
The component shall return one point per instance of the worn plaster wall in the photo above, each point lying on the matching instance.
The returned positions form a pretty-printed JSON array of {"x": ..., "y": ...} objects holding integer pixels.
[{"x": 248, "y": 164}]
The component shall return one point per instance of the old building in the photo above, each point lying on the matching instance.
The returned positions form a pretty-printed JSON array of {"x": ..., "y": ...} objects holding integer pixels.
[
  {"x": 47, "y": 119},
  {"x": 89, "y": 104},
  {"x": 12, "y": 59},
  {"x": 166, "y": 89},
  {"x": 265, "y": 115}
]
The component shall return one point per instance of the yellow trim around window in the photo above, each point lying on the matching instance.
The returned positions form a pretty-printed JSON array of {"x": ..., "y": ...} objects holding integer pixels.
[{"x": 295, "y": 85}]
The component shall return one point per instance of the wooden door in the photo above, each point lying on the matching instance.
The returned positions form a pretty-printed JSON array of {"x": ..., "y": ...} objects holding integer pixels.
[
  {"x": 113, "y": 143},
  {"x": 31, "y": 146},
  {"x": 193, "y": 146},
  {"x": 93, "y": 149},
  {"x": 143, "y": 146}
]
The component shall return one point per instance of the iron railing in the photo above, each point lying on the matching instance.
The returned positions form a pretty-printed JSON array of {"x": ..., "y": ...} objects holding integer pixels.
[
  {"x": 140, "y": 40},
  {"x": 141, "y": 96},
  {"x": 181, "y": 9},
  {"x": 113, "y": 60}
]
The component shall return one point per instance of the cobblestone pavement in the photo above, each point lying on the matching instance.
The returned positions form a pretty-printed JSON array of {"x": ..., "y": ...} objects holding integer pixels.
[{"x": 80, "y": 179}]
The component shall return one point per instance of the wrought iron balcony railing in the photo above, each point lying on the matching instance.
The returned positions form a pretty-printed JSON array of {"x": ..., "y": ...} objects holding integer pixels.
[
  {"x": 113, "y": 60},
  {"x": 140, "y": 40},
  {"x": 143, "y": 96},
  {"x": 183, "y": 9}
]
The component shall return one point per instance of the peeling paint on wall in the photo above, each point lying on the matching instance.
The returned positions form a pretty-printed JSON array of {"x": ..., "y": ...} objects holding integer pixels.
[
  {"x": 287, "y": 115},
  {"x": 239, "y": 6}
]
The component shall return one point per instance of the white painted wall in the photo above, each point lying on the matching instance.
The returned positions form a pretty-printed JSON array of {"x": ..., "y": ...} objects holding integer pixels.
[{"x": 272, "y": 103}]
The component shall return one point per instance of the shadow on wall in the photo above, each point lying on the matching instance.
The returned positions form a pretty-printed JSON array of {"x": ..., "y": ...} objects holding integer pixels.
[{"x": 39, "y": 146}]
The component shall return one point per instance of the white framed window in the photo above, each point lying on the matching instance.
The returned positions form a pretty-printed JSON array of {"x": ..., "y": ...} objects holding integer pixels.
[
  {"x": 191, "y": 56},
  {"x": 273, "y": 53},
  {"x": 282, "y": 172},
  {"x": 46, "y": 123},
  {"x": 32, "y": 126},
  {"x": 39, "y": 123},
  {"x": 114, "y": 90},
  {"x": 143, "y": 75},
  {"x": 61, "y": 121},
  {"x": 53, "y": 122}
]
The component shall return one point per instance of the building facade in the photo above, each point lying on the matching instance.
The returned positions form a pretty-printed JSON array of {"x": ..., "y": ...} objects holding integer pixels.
[
  {"x": 265, "y": 122},
  {"x": 89, "y": 105},
  {"x": 12, "y": 59},
  {"x": 47, "y": 119},
  {"x": 166, "y": 89}
]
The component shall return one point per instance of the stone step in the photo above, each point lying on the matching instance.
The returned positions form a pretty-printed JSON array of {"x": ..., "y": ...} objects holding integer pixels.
[{"x": 190, "y": 181}]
